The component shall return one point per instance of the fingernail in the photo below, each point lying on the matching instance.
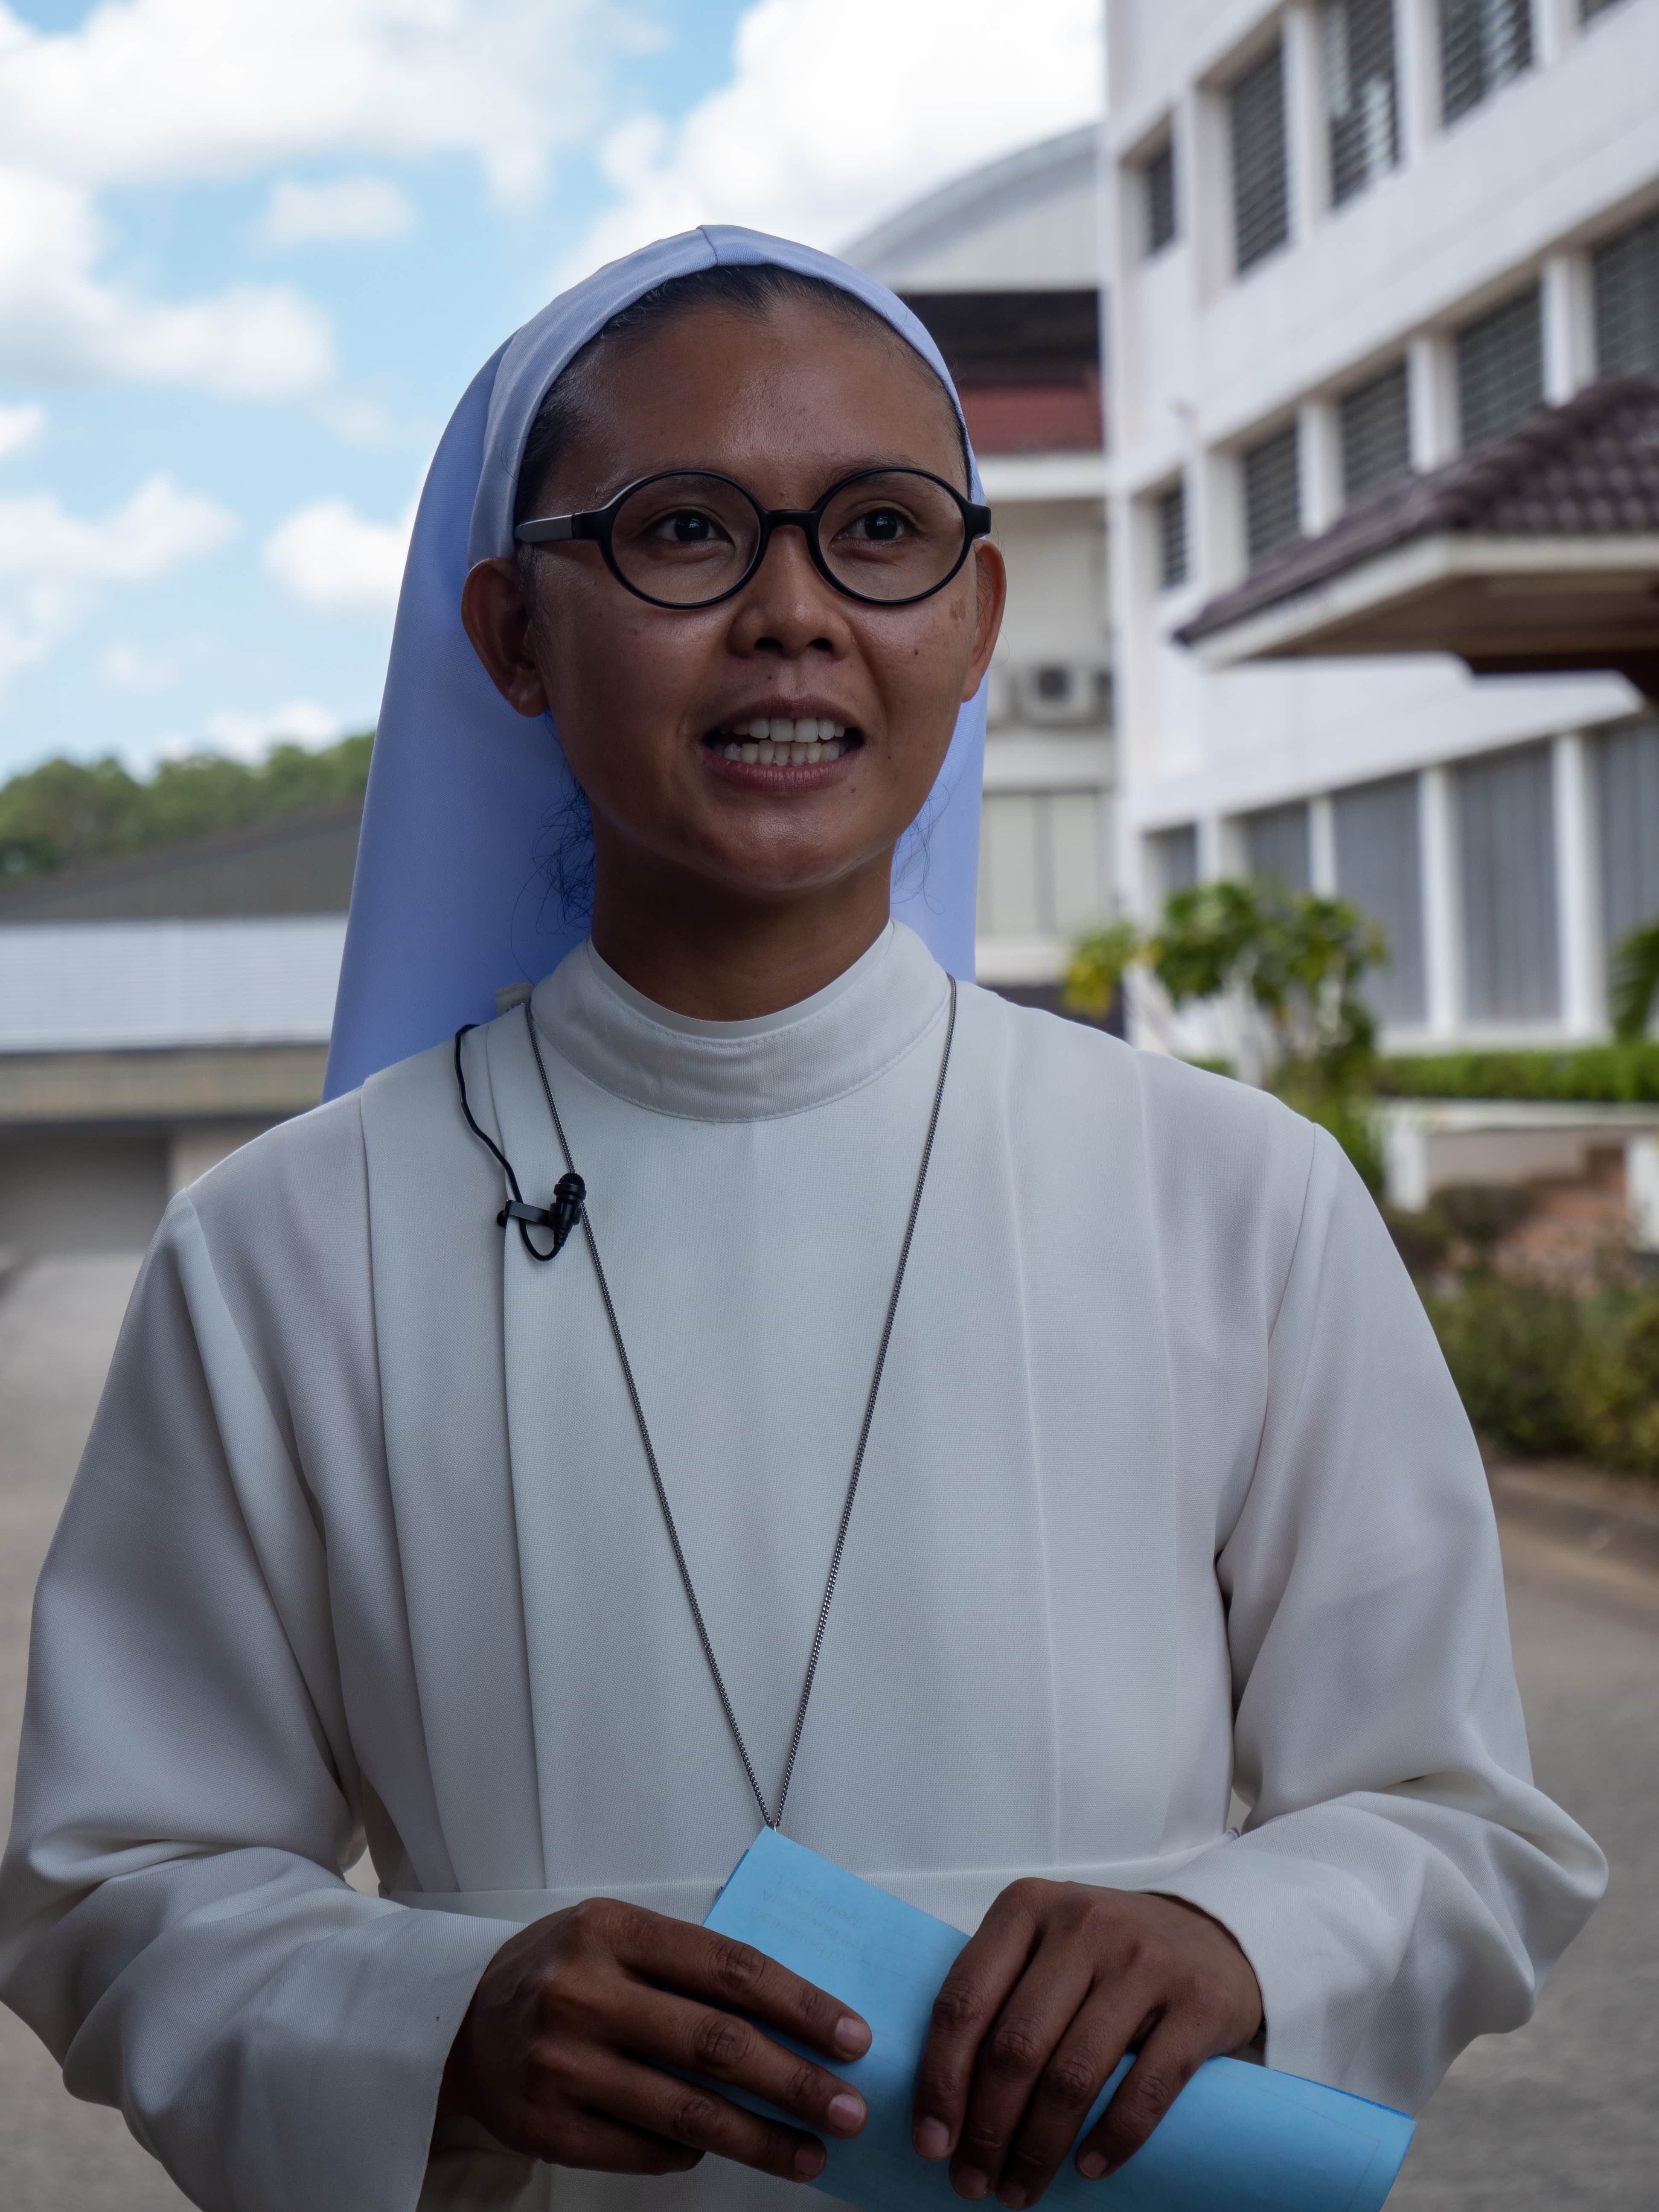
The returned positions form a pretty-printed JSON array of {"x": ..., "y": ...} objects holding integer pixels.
[
  {"x": 1091, "y": 2166},
  {"x": 809, "y": 2160},
  {"x": 933, "y": 2139},
  {"x": 971, "y": 2183},
  {"x": 845, "y": 2113},
  {"x": 852, "y": 2036},
  {"x": 1015, "y": 2199}
]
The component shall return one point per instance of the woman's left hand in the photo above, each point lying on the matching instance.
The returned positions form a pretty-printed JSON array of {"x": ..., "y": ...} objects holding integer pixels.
[{"x": 1060, "y": 1982}]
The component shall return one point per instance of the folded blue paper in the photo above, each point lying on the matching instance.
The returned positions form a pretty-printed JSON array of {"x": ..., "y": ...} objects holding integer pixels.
[{"x": 1239, "y": 2138}]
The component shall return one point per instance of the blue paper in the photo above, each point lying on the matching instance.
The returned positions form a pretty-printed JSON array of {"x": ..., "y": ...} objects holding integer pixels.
[{"x": 1239, "y": 2138}]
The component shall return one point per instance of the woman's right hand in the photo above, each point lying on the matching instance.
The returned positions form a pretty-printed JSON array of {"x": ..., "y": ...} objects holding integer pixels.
[{"x": 563, "y": 2050}]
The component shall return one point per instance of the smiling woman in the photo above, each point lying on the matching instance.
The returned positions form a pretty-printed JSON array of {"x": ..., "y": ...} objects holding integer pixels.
[{"x": 757, "y": 1376}]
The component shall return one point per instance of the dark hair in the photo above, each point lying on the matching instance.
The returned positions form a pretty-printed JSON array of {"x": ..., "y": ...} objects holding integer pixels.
[{"x": 754, "y": 289}]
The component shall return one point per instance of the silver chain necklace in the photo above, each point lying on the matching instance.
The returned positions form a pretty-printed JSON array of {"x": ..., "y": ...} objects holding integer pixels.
[{"x": 773, "y": 1819}]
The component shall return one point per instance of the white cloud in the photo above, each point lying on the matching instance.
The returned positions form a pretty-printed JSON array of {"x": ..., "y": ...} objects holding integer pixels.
[
  {"x": 250, "y": 737},
  {"x": 839, "y": 111},
  {"x": 55, "y": 565},
  {"x": 327, "y": 555},
  {"x": 60, "y": 323},
  {"x": 20, "y": 427},
  {"x": 172, "y": 90},
  {"x": 130, "y": 668},
  {"x": 348, "y": 208}
]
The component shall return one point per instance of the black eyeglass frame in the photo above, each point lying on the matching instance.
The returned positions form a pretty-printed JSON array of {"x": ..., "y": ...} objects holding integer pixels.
[{"x": 597, "y": 525}]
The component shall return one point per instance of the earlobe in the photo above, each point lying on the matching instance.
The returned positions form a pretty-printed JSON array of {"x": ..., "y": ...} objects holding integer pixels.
[{"x": 496, "y": 619}]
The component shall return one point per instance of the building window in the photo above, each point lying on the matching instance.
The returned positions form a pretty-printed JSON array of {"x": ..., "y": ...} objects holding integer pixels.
[
  {"x": 1379, "y": 868},
  {"x": 1500, "y": 368},
  {"x": 1626, "y": 268},
  {"x": 1158, "y": 181},
  {"x": 1506, "y": 843},
  {"x": 1276, "y": 846},
  {"x": 1375, "y": 423},
  {"x": 1627, "y": 803},
  {"x": 1041, "y": 871},
  {"x": 1483, "y": 44},
  {"x": 1589, "y": 8},
  {"x": 1359, "y": 94},
  {"x": 1272, "y": 494},
  {"x": 1170, "y": 509},
  {"x": 1261, "y": 182},
  {"x": 1174, "y": 857}
]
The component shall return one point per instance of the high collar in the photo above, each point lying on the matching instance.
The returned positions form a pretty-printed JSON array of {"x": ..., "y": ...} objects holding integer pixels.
[{"x": 836, "y": 1041}]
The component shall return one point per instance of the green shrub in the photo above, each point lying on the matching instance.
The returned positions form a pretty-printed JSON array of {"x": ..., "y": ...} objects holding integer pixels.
[
  {"x": 1608, "y": 1074},
  {"x": 1515, "y": 1349}
]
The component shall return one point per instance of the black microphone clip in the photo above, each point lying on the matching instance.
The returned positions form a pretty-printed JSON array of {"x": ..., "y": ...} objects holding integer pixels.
[{"x": 559, "y": 1219}]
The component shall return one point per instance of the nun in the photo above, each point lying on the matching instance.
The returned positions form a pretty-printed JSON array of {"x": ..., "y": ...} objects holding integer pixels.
[{"x": 752, "y": 1375}]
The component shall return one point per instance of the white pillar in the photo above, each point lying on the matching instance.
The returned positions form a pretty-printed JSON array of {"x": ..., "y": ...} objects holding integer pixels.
[
  {"x": 1553, "y": 23},
  {"x": 1431, "y": 381},
  {"x": 1405, "y": 1157},
  {"x": 1568, "y": 312},
  {"x": 1642, "y": 1190},
  {"x": 1443, "y": 917},
  {"x": 1304, "y": 120},
  {"x": 1417, "y": 60},
  {"x": 1320, "y": 444},
  {"x": 1215, "y": 842},
  {"x": 1583, "y": 991},
  {"x": 1322, "y": 844},
  {"x": 1215, "y": 492}
]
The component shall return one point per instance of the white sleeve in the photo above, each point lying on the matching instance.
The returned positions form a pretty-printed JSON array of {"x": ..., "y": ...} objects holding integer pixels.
[
  {"x": 1401, "y": 1887},
  {"x": 173, "y": 1923}
]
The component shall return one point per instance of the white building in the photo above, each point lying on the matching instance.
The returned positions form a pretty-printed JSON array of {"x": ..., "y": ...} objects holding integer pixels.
[
  {"x": 1345, "y": 239},
  {"x": 1004, "y": 267}
]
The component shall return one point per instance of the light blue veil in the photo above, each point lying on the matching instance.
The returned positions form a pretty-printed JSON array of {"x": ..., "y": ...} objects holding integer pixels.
[{"x": 454, "y": 894}]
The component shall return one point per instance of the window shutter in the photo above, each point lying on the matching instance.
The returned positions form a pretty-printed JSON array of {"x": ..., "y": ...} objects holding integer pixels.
[
  {"x": 1374, "y": 421},
  {"x": 1500, "y": 368},
  {"x": 1483, "y": 44},
  {"x": 1379, "y": 869},
  {"x": 1175, "y": 859},
  {"x": 1276, "y": 845},
  {"x": 1360, "y": 97},
  {"x": 1261, "y": 198},
  {"x": 1041, "y": 872},
  {"x": 1273, "y": 494},
  {"x": 1626, "y": 270},
  {"x": 1506, "y": 840},
  {"x": 1170, "y": 509},
  {"x": 1159, "y": 177}
]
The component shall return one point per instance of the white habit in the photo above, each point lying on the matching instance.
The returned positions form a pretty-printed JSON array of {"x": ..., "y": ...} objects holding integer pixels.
[{"x": 1168, "y": 1493}]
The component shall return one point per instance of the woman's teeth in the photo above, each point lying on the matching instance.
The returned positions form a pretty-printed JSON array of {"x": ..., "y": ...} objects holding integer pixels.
[{"x": 777, "y": 741}]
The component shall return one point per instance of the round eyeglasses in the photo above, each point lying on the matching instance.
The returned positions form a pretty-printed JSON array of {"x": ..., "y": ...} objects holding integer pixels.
[{"x": 691, "y": 537}]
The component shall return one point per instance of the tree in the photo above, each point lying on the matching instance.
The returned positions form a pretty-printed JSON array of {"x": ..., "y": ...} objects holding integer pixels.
[{"x": 1636, "y": 983}]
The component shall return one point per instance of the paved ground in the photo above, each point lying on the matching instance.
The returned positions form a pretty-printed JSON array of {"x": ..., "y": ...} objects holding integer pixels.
[{"x": 1563, "y": 2115}]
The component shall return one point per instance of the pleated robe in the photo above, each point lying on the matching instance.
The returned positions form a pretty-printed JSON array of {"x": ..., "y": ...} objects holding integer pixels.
[{"x": 1169, "y": 1504}]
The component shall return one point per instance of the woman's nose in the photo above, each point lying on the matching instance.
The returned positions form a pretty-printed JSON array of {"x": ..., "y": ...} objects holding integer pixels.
[{"x": 786, "y": 606}]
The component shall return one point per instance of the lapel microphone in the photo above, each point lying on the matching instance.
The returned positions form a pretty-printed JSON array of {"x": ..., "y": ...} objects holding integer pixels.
[{"x": 570, "y": 1193}]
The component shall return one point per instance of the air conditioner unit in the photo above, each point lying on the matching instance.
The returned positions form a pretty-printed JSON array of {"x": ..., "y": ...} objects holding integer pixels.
[{"x": 1063, "y": 693}]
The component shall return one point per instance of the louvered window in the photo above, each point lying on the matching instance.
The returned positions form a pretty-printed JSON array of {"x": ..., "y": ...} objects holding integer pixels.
[
  {"x": 1273, "y": 494},
  {"x": 1483, "y": 43},
  {"x": 1627, "y": 302},
  {"x": 1359, "y": 94},
  {"x": 1262, "y": 194},
  {"x": 1500, "y": 368},
  {"x": 1276, "y": 845},
  {"x": 1170, "y": 511},
  {"x": 1376, "y": 426},
  {"x": 1041, "y": 864},
  {"x": 1379, "y": 868},
  {"x": 1174, "y": 854},
  {"x": 1159, "y": 178},
  {"x": 1506, "y": 841},
  {"x": 1627, "y": 792}
]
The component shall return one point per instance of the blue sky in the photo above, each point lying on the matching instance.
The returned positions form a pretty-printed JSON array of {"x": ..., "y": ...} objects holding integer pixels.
[{"x": 250, "y": 257}]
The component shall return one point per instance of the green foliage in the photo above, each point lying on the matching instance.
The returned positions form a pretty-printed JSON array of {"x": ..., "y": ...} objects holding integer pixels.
[
  {"x": 65, "y": 811},
  {"x": 1615, "y": 1074},
  {"x": 1295, "y": 957},
  {"x": 1099, "y": 962},
  {"x": 1635, "y": 982},
  {"x": 1542, "y": 1372}
]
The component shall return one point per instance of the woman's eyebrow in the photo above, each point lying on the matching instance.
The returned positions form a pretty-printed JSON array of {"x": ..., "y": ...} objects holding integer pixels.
[{"x": 829, "y": 473}]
